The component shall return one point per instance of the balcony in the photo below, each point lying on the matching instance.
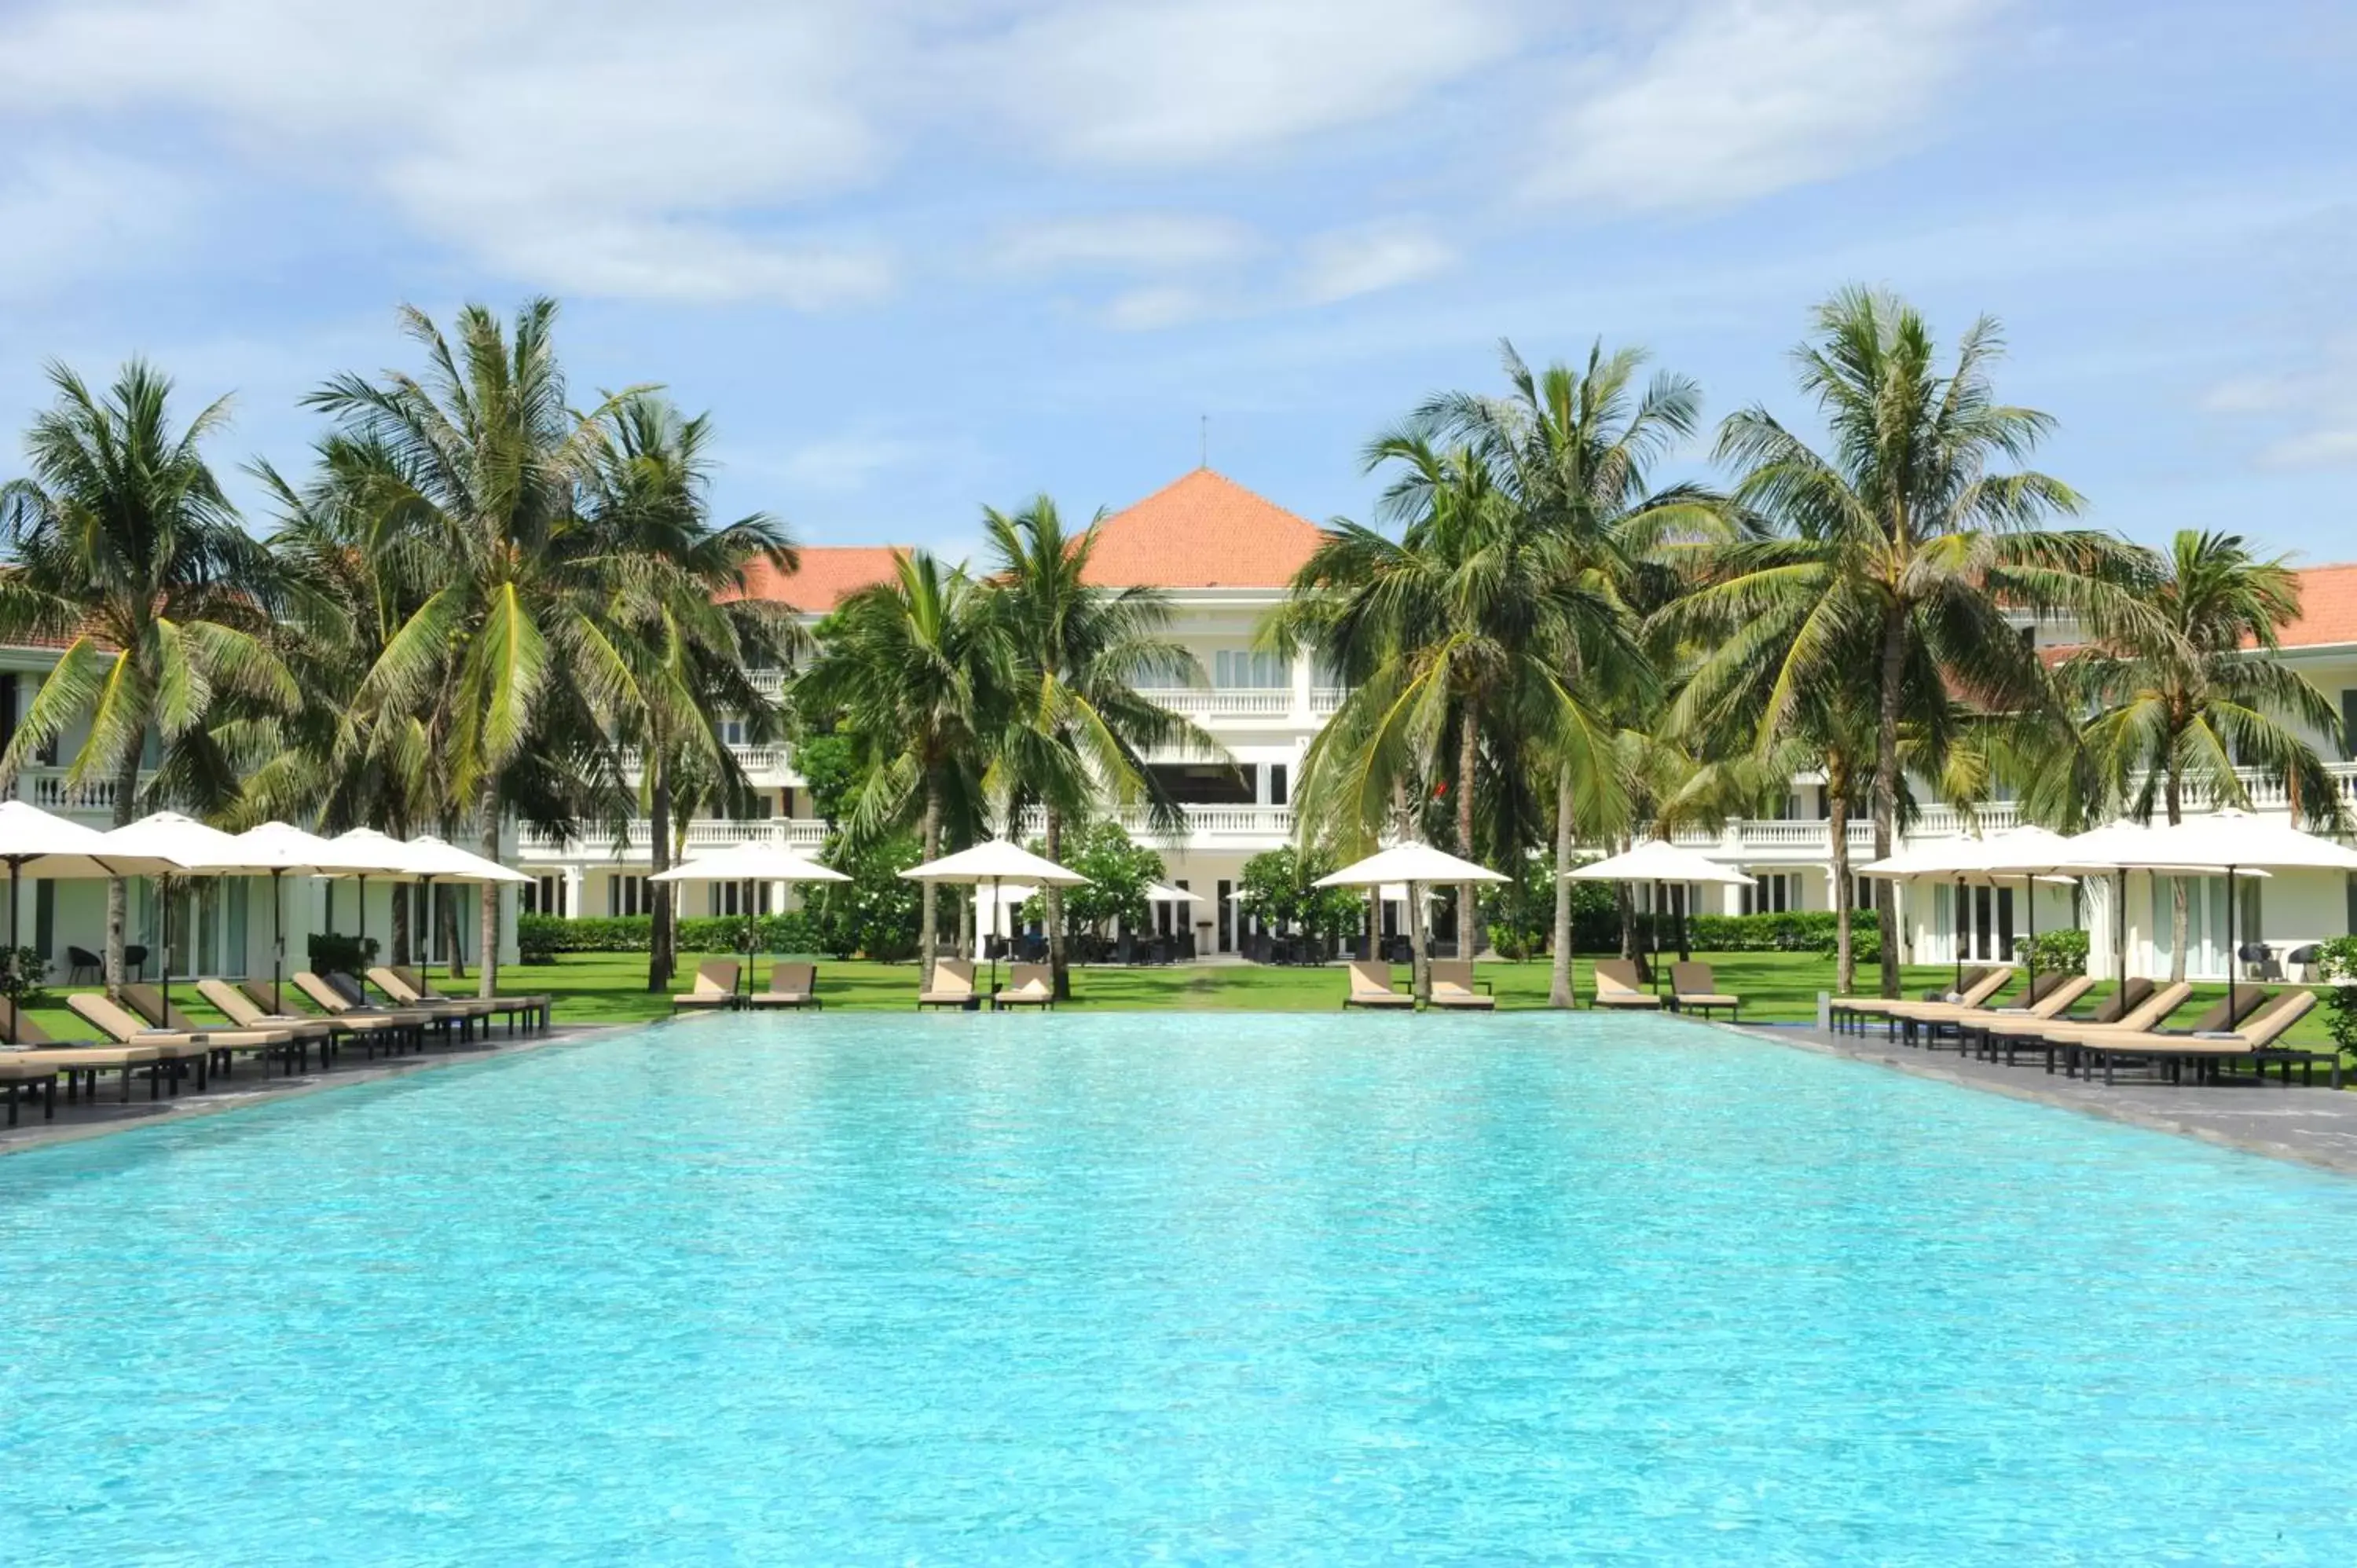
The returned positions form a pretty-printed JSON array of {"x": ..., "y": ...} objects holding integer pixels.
[
  {"x": 804, "y": 835},
  {"x": 754, "y": 759},
  {"x": 1223, "y": 702}
]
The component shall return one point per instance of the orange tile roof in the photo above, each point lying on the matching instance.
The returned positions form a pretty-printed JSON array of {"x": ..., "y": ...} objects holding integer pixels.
[
  {"x": 1204, "y": 532},
  {"x": 2327, "y": 608},
  {"x": 829, "y": 573}
]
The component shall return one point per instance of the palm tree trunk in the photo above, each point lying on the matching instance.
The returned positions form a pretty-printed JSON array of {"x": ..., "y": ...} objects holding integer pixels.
[
  {"x": 1419, "y": 960},
  {"x": 486, "y": 903},
  {"x": 662, "y": 959},
  {"x": 1837, "y": 826},
  {"x": 1056, "y": 970},
  {"x": 1886, "y": 781},
  {"x": 2180, "y": 924},
  {"x": 965, "y": 926},
  {"x": 928, "y": 892},
  {"x": 1468, "y": 917},
  {"x": 118, "y": 891},
  {"x": 1559, "y": 985}
]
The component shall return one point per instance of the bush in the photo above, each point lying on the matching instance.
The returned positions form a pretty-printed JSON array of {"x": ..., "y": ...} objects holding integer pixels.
[
  {"x": 1865, "y": 942},
  {"x": 2336, "y": 964},
  {"x": 333, "y": 954},
  {"x": 22, "y": 970},
  {"x": 877, "y": 912},
  {"x": 1275, "y": 888},
  {"x": 2055, "y": 952},
  {"x": 1520, "y": 914},
  {"x": 542, "y": 937},
  {"x": 1805, "y": 930}
]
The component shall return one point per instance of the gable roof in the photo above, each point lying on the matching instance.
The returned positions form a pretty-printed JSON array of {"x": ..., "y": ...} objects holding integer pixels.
[
  {"x": 2327, "y": 608},
  {"x": 1205, "y": 530},
  {"x": 829, "y": 573}
]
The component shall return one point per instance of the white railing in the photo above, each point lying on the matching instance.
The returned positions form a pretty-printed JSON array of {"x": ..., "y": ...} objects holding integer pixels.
[
  {"x": 802, "y": 834},
  {"x": 1261, "y": 826},
  {"x": 1223, "y": 703},
  {"x": 770, "y": 683},
  {"x": 46, "y": 788},
  {"x": 751, "y": 758},
  {"x": 1326, "y": 700}
]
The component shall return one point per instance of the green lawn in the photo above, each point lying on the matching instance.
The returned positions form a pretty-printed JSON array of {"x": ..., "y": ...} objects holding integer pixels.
[{"x": 611, "y": 988}]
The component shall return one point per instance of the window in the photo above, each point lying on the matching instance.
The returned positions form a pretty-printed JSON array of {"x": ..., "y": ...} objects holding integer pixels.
[
  {"x": 1239, "y": 667},
  {"x": 2349, "y": 725},
  {"x": 544, "y": 896},
  {"x": 1224, "y": 915},
  {"x": 629, "y": 895},
  {"x": 732, "y": 731},
  {"x": 1278, "y": 782}
]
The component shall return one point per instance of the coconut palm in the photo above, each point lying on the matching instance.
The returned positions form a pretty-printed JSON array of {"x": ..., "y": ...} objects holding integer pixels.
[
  {"x": 1898, "y": 555},
  {"x": 1078, "y": 728},
  {"x": 1573, "y": 447},
  {"x": 915, "y": 672},
  {"x": 685, "y": 623},
  {"x": 1480, "y": 630},
  {"x": 511, "y": 660},
  {"x": 2196, "y": 692},
  {"x": 126, "y": 553}
]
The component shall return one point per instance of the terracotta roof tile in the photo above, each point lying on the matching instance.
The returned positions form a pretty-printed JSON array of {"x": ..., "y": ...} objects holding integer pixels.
[
  {"x": 2327, "y": 608},
  {"x": 829, "y": 573},
  {"x": 1204, "y": 532}
]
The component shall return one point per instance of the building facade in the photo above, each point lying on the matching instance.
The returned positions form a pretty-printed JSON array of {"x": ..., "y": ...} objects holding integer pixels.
[{"x": 1224, "y": 555}]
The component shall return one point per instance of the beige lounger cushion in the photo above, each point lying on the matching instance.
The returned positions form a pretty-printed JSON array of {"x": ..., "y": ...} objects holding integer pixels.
[
  {"x": 716, "y": 983},
  {"x": 1028, "y": 986},
  {"x": 2257, "y": 1031},
  {"x": 791, "y": 985},
  {"x": 1452, "y": 986},
  {"x": 1617, "y": 985},
  {"x": 1371, "y": 985},
  {"x": 952, "y": 981}
]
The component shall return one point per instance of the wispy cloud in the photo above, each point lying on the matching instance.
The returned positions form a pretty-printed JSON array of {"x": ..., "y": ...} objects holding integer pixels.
[
  {"x": 1743, "y": 97},
  {"x": 1366, "y": 260},
  {"x": 2312, "y": 410},
  {"x": 69, "y": 214},
  {"x": 1173, "y": 83},
  {"x": 1128, "y": 241}
]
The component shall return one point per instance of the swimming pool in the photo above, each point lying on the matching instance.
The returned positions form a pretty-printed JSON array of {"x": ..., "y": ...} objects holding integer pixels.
[{"x": 1277, "y": 1289}]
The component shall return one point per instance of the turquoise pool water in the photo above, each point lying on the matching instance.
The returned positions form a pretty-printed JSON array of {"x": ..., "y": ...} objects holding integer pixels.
[{"x": 1318, "y": 1290}]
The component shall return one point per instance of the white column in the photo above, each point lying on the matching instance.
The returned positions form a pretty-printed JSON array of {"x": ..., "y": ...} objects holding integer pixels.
[
  {"x": 574, "y": 880},
  {"x": 1304, "y": 660}
]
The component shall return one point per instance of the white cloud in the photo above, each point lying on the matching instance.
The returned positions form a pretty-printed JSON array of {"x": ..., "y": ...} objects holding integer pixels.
[
  {"x": 67, "y": 214},
  {"x": 840, "y": 464},
  {"x": 1137, "y": 242},
  {"x": 1366, "y": 260},
  {"x": 1170, "y": 83},
  {"x": 2317, "y": 402},
  {"x": 1158, "y": 306},
  {"x": 588, "y": 146},
  {"x": 1744, "y": 98}
]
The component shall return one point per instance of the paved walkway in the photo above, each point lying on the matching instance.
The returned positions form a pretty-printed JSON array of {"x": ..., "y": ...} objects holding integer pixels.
[
  {"x": 91, "y": 1119},
  {"x": 2314, "y": 1126}
]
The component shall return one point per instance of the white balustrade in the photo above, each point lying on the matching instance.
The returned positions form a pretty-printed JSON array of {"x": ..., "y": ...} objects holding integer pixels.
[
  {"x": 1221, "y": 702},
  {"x": 46, "y": 788}
]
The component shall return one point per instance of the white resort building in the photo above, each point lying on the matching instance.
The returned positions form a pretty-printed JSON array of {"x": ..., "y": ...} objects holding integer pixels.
[{"x": 1223, "y": 556}]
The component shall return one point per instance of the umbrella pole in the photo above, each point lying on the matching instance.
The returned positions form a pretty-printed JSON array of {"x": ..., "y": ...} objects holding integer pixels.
[
  {"x": 362, "y": 938},
  {"x": 1963, "y": 914},
  {"x": 15, "y": 862},
  {"x": 997, "y": 903},
  {"x": 278, "y": 942},
  {"x": 750, "y": 936},
  {"x": 164, "y": 886},
  {"x": 2231, "y": 953},
  {"x": 1654, "y": 935}
]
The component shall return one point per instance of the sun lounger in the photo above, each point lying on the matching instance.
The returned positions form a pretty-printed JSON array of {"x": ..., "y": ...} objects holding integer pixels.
[
  {"x": 2253, "y": 1040},
  {"x": 1454, "y": 987},
  {"x": 1371, "y": 985},
  {"x": 532, "y": 1007},
  {"x": 288, "y": 1041},
  {"x": 715, "y": 985},
  {"x": 20, "y": 1075},
  {"x": 463, "y": 1013},
  {"x": 951, "y": 985},
  {"x": 338, "y": 1004},
  {"x": 2057, "y": 999},
  {"x": 371, "y": 1026},
  {"x": 22, "y": 1030},
  {"x": 1028, "y": 985},
  {"x": 1928, "y": 1018},
  {"x": 2008, "y": 1032},
  {"x": 174, "y": 1049},
  {"x": 243, "y": 1011},
  {"x": 791, "y": 985},
  {"x": 1693, "y": 989},
  {"x": 1852, "y": 1012},
  {"x": 82, "y": 1064},
  {"x": 1617, "y": 985}
]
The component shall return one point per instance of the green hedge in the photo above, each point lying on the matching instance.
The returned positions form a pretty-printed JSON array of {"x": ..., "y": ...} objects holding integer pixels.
[
  {"x": 1805, "y": 932},
  {"x": 541, "y": 936}
]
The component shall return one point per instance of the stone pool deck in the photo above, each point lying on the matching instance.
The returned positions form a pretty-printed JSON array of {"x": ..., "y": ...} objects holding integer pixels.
[
  {"x": 2315, "y": 1126},
  {"x": 94, "y": 1119}
]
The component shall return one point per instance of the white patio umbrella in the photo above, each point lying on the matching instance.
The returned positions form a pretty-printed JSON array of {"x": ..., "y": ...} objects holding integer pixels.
[
  {"x": 392, "y": 857},
  {"x": 2230, "y": 841},
  {"x": 1411, "y": 865},
  {"x": 2122, "y": 847},
  {"x": 57, "y": 848},
  {"x": 1156, "y": 893},
  {"x": 285, "y": 849},
  {"x": 749, "y": 863},
  {"x": 1657, "y": 861},
  {"x": 996, "y": 863},
  {"x": 437, "y": 860},
  {"x": 2030, "y": 853},
  {"x": 189, "y": 848}
]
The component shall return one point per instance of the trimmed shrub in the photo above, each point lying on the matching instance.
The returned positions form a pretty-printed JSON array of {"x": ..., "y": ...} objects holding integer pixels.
[
  {"x": 2336, "y": 964},
  {"x": 2055, "y": 952},
  {"x": 542, "y": 937},
  {"x": 333, "y": 954}
]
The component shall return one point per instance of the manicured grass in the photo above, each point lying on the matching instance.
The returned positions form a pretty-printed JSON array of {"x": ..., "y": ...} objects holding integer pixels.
[{"x": 611, "y": 988}]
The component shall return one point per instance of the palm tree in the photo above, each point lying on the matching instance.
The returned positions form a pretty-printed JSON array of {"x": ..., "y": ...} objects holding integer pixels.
[
  {"x": 1078, "y": 728},
  {"x": 1482, "y": 627},
  {"x": 915, "y": 672},
  {"x": 685, "y": 623},
  {"x": 511, "y": 660},
  {"x": 2196, "y": 691},
  {"x": 1572, "y": 447},
  {"x": 125, "y": 550},
  {"x": 1898, "y": 557}
]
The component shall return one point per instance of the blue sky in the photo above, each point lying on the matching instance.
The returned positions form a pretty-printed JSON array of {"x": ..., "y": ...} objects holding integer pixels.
[{"x": 918, "y": 255}]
